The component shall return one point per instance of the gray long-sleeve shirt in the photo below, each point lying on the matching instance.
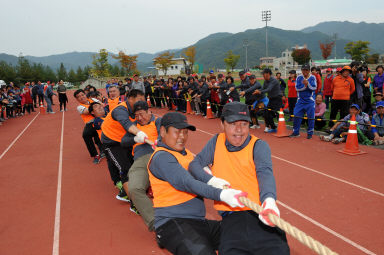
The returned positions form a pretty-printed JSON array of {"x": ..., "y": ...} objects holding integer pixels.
[
  {"x": 120, "y": 114},
  {"x": 272, "y": 87},
  {"x": 165, "y": 166},
  {"x": 138, "y": 85},
  {"x": 261, "y": 157},
  {"x": 141, "y": 149}
]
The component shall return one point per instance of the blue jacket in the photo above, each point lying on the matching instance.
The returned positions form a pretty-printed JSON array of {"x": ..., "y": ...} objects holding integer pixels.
[{"x": 306, "y": 94}]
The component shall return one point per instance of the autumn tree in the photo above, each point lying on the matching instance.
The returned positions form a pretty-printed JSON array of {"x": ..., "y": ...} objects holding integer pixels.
[
  {"x": 231, "y": 60},
  {"x": 127, "y": 62},
  {"x": 301, "y": 56},
  {"x": 190, "y": 55},
  {"x": 357, "y": 50},
  {"x": 100, "y": 64},
  {"x": 326, "y": 49},
  {"x": 373, "y": 59},
  {"x": 163, "y": 61}
]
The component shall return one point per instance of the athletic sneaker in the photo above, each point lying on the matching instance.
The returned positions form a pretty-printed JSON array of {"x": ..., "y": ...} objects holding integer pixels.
[
  {"x": 266, "y": 130},
  {"x": 325, "y": 138},
  {"x": 51, "y": 112},
  {"x": 254, "y": 126},
  {"x": 102, "y": 155},
  {"x": 96, "y": 159},
  {"x": 134, "y": 209},
  {"x": 272, "y": 130},
  {"x": 337, "y": 140},
  {"x": 61, "y": 110},
  {"x": 309, "y": 136},
  {"x": 294, "y": 135},
  {"x": 122, "y": 196}
]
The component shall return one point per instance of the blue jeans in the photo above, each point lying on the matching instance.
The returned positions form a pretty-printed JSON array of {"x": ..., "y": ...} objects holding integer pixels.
[
  {"x": 301, "y": 108},
  {"x": 49, "y": 104}
]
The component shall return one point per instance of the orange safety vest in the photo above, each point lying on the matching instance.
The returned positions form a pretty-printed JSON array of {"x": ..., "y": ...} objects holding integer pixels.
[
  {"x": 113, "y": 103},
  {"x": 238, "y": 168},
  {"x": 86, "y": 117},
  {"x": 164, "y": 194},
  {"x": 150, "y": 129},
  {"x": 112, "y": 128}
]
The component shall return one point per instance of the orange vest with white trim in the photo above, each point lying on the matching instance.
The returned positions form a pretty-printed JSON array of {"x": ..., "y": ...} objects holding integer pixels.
[
  {"x": 238, "y": 168},
  {"x": 150, "y": 129},
  {"x": 112, "y": 128},
  {"x": 164, "y": 194},
  {"x": 86, "y": 117}
]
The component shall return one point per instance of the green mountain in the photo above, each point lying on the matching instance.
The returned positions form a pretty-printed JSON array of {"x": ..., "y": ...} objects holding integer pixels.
[
  {"x": 211, "y": 51},
  {"x": 372, "y": 32}
]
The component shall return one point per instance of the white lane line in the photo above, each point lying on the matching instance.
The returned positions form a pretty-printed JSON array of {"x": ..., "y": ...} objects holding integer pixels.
[
  {"x": 21, "y": 133},
  {"x": 315, "y": 171},
  {"x": 56, "y": 232},
  {"x": 361, "y": 248},
  {"x": 330, "y": 176}
]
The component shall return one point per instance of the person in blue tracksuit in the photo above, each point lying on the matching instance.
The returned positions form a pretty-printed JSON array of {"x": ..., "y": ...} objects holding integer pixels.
[{"x": 306, "y": 87}]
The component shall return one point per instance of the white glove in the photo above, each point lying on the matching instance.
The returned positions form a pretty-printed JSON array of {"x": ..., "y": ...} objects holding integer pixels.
[
  {"x": 269, "y": 206},
  {"x": 218, "y": 183},
  {"x": 140, "y": 137},
  {"x": 231, "y": 197}
]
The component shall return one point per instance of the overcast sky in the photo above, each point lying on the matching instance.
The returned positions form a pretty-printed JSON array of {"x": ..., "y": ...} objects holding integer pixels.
[{"x": 46, "y": 27}]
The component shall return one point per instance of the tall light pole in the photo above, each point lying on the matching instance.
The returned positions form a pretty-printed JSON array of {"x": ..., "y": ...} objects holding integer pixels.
[
  {"x": 335, "y": 38},
  {"x": 246, "y": 44},
  {"x": 266, "y": 16}
]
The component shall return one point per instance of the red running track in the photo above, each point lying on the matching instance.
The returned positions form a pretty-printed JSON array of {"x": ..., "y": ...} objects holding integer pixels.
[{"x": 339, "y": 196}]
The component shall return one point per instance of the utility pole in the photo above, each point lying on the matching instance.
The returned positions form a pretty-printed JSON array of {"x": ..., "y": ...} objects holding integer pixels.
[
  {"x": 335, "y": 38},
  {"x": 246, "y": 44},
  {"x": 266, "y": 16}
]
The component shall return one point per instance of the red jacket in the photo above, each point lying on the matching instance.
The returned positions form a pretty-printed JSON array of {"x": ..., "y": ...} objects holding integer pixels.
[
  {"x": 292, "y": 89},
  {"x": 318, "y": 82},
  {"x": 327, "y": 87}
]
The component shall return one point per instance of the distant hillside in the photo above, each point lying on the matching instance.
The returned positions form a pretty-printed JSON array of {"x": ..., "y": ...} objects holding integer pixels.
[
  {"x": 211, "y": 50},
  {"x": 371, "y": 32}
]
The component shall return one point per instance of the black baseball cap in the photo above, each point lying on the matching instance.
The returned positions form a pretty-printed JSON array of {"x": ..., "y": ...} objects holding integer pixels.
[
  {"x": 252, "y": 76},
  {"x": 236, "y": 111},
  {"x": 292, "y": 72},
  {"x": 176, "y": 120},
  {"x": 220, "y": 75},
  {"x": 305, "y": 67},
  {"x": 140, "y": 105},
  {"x": 241, "y": 72},
  {"x": 267, "y": 70}
]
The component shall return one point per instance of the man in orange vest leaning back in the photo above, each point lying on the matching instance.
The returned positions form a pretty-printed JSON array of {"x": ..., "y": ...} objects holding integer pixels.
[{"x": 244, "y": 160}]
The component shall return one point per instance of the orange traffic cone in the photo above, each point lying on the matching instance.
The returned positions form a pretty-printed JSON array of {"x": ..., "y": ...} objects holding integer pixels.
[
  {"x": 209, "y": 111},
  {"x": 173, "y": 106},
  {"x": 189, "y": 108},
  {"x": 148, "y": 101},
  {"x": 42, "y": 109},
  {"x": 281, "y": 128},
  {"x": 352, "y": 144}
]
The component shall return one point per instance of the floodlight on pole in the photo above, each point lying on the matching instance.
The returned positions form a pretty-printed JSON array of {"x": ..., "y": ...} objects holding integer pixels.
[
  {"x": 266, "y": 16},
  {"x": 246, "y": 44}
]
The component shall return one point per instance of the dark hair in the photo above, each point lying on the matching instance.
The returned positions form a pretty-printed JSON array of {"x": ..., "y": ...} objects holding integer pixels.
[
  {"x": 93, "y": 94},
  {"x": 355, "y": 63},
  {"x": 229, "y": 77},
  {"x": 90, "y": 108},
  {"x": 135, "y": 93},
  {"x": 278, "y": 73},
  {"x": 313, "y": 68},
  {"x": 78, "y": 92}
]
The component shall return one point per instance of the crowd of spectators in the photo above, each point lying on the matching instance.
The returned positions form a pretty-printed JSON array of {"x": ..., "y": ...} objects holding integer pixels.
[
  {"x": 18, "y": 100},
  {"x": 334, "y": 91}
]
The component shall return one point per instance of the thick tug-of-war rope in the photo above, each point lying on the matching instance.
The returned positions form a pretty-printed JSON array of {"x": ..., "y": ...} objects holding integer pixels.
[{"x": 299, "y": 235}]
